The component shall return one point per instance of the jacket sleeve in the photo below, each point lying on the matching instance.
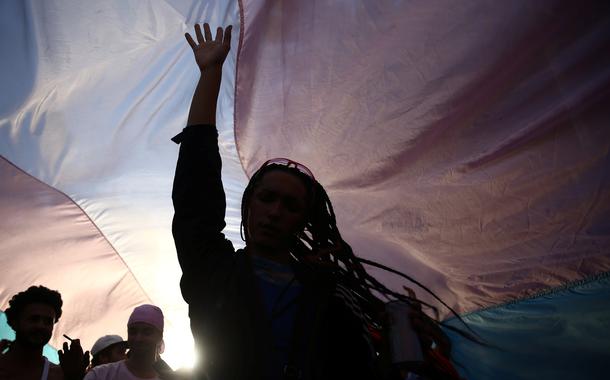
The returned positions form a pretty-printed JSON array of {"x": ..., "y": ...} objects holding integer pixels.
[{"x": 199, "y": 210}]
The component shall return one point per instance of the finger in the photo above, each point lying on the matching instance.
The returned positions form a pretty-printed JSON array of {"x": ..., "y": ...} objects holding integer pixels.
[
  {"x": 409, "y": 291},
  {"x": 218, "y": 35},
  {"x": 227, "y": 37},
  {"x": 200, "y": 39},
  {"x": 207, "y": 32},
  {"x": 190, "y": 40}
]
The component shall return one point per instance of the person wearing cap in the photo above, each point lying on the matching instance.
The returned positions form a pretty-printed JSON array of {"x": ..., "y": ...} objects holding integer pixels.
[
  {"x": 145, "y": 340},
  {"x": 108, "y": 349}
]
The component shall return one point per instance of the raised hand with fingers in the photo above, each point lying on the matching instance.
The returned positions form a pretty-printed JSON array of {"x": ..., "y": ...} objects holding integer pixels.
[
  {"x": 210, "y": 52},
  {"x": 73, "y": 361}
]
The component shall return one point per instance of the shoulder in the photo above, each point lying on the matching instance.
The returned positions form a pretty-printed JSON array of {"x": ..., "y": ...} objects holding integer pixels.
[
  {"x": 12, "y": 369},
  {"x": 55, "y": 372},
  {"x": 104, "y": 371}
]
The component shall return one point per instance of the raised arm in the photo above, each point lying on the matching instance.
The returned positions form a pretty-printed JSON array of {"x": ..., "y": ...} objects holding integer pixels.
[{"x": 198, "y": 194}]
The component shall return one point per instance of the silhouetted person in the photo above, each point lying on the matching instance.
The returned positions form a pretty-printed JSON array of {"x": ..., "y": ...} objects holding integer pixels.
[
  {"x": 108, "y": 349},
  {"x": 145, "y": 340},
  {"x": 295, "y": 303},
  {"x": 273, "y": 310},
  {"x": 32, "y": 314}
]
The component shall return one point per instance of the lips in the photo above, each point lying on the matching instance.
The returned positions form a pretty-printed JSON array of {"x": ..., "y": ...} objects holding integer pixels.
[
  {"x": 40, "y": 336},
  {"x": 269, "y": 229}
]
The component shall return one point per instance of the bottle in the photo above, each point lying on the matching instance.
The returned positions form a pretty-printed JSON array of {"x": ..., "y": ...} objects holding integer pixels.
[{"x": 405, "y": 348}]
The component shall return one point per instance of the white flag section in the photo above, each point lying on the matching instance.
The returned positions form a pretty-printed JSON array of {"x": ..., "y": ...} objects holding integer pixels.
[{"x": 92, "y": 92}]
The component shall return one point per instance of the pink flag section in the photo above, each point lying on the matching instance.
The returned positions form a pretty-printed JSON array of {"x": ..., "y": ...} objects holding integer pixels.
[
  {"x": 465, "y": 143},
  {"x": 48, "y": 234}
]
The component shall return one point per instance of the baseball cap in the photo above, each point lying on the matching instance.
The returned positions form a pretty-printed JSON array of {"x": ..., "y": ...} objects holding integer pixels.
[
  {"x": 150, "y": 314},
  {"x": 105, "y": 342}
]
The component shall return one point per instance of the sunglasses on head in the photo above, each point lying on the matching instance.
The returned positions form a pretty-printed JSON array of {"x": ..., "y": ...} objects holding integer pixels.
[{"x": 291, "y": 164}]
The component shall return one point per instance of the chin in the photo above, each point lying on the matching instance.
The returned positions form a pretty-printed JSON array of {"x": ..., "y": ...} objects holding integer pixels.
[
  {"x": 267, "y": 243},
  {"x": 142, "y": 352},
  {"x": 38, "y": 342}
]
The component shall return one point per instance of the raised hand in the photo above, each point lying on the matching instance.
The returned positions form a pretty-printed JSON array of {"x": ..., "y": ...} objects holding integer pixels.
[
  {"x": 210, "y": 52},
  {"x": 73, "y": 361}
]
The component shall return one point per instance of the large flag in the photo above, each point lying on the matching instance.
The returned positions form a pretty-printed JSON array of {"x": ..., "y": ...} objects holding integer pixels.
[{"x": 463, "y": 143}]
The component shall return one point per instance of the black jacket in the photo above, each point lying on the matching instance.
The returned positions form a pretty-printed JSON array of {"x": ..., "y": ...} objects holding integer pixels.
[{"x": 218, "y": 283}]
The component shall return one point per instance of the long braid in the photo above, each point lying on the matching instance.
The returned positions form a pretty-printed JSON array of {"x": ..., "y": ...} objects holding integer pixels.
[{"x": 353, "y": 272}]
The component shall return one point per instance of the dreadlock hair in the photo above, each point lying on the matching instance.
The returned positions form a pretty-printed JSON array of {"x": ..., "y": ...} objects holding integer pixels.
[
  {"x": 321, "y": 235},
  {"x": 34, "y": 294}
]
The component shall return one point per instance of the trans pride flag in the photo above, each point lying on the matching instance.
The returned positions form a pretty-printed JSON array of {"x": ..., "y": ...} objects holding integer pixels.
[{"x": 463, "y": 143}]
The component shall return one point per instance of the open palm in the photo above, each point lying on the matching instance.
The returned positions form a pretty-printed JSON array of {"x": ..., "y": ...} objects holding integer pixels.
[{"x": 210, "y": 52}]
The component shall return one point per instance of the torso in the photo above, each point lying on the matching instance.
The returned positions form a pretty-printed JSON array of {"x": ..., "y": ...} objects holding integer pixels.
[
  {"x": 9, "y": 370},
  {"x": 115, "y": 371}
]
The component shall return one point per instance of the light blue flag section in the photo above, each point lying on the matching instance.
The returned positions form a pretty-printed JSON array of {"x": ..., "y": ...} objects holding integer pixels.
[{"x": 563, "y": 334}]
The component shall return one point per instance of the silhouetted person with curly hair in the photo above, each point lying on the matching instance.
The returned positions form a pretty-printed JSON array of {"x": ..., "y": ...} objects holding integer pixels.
[{"x": 33, "y": 314}]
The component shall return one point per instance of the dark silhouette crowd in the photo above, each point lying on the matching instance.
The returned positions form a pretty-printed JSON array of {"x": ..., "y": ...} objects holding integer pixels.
[{"x": 33, "y": 313}]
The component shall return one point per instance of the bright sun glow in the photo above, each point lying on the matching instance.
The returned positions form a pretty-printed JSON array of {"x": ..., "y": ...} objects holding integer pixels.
[{"x": 179, "y": 349}]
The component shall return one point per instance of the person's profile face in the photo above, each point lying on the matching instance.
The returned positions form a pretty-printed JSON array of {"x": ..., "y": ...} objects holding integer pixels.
[
  {"x": 277, "y": 209},
  {"x": 35, "y": 324},
  {"x": 143, "y": 339},
  {"x": 118, "y": 352}
]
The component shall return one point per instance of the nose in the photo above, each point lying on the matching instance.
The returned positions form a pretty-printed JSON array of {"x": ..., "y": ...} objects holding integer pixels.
[
  {"x": 137, "y": 336},
  {"x": 41, "y": 323},
  {"x": 275, "y": 210}
]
